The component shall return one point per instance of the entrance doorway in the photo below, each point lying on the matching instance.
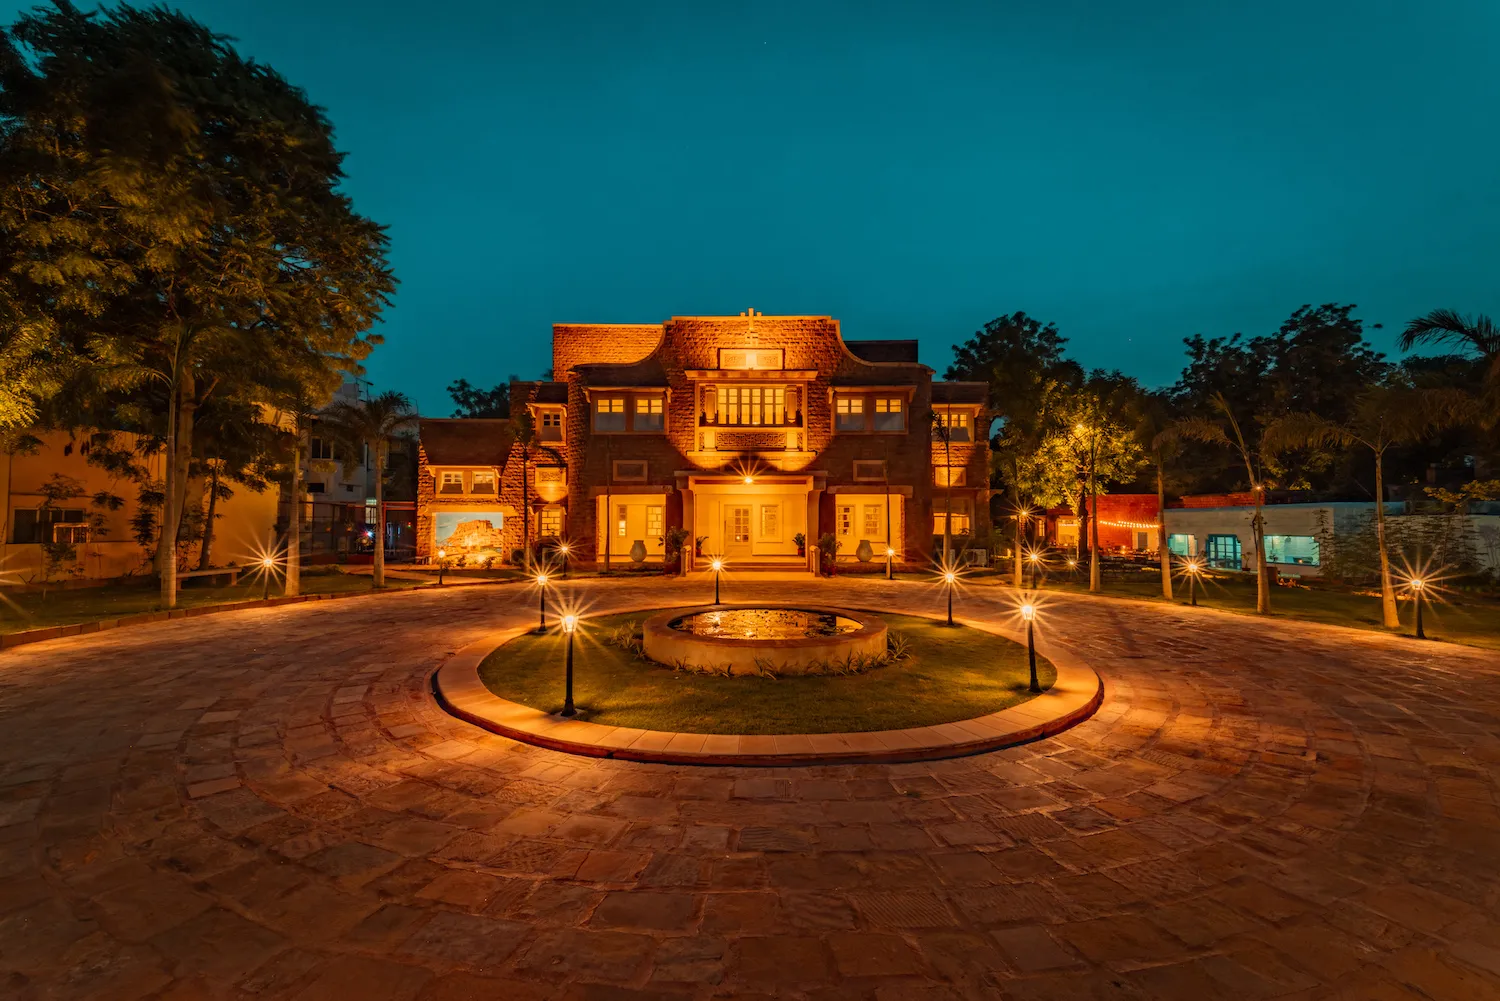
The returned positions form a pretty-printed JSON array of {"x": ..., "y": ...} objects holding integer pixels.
[{"x": 737, "y": 540}]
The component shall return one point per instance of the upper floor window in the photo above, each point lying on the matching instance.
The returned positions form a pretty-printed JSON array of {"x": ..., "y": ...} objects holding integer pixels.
[
  {"x": 949, "y": 476},
  {"x": 609, "y": 413},
  {"x": 753, "y": 404},
  {"x": 869, "y": 470},
  {"x": 482, "y": 483},
  {"x": 889, "y": 415},
  {"x": 319, "y": 448},
  {"x": 552, "y": 426},
  {"x": 550, "y": 522},
  {"x": 849, "y": 413},
  {"x": 648, "y": 413},
  {"x": 957, "y": 425},
  {"x": 452, "y": 483}
]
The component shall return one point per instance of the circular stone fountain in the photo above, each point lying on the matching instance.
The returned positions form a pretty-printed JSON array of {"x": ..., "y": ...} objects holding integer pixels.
[{"x": 785, "y": 639}]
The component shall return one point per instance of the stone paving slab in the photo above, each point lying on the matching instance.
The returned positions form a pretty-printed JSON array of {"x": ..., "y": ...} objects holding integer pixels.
[
  {"x": 1072, "y": 698},
  {"x": 1259, "y": 809}
]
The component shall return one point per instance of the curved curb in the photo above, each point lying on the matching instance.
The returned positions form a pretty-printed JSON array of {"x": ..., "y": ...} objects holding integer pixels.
[{"x": 1074, "y": 697}]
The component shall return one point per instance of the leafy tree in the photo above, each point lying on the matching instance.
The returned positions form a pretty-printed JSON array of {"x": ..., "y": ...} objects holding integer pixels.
[
  {"x": 1383, "y": 416},
  {"x": 374, "y": 422},
  {"x": 473, "y": 402},
  {"x": 1227, "y": 432},
  {"x": 191, "y": 235},
  {"x": 235, "y": 448},
  {"x": 1476, "y": 335},
  {"x": 1035, "y": 474}
]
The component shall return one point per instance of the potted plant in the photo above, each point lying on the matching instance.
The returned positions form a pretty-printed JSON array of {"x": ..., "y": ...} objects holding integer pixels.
[
  {"x": 698, "y": 545},
  {"x": 828, "y": 544},
  {"x": 801, "y": 541}
]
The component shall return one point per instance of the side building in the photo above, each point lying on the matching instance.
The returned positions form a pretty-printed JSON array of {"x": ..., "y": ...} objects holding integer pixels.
[{"x": 755, "y": 435}]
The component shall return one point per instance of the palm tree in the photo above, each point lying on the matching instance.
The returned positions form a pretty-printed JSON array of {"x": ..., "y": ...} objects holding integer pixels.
[
  {"x": 1382, "y": 417},
  {"x": 373, "y": 423},
  {"x": 1214, "y": 433},
  {"x": 1477, "y": 334}
]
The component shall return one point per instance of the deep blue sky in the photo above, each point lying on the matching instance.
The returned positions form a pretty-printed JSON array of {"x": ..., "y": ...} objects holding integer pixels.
[{"x": 1135, "y": 172}]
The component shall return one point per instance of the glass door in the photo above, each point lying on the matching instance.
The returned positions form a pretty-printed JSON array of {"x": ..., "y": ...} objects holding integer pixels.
[{"x": 737, "y": 530}]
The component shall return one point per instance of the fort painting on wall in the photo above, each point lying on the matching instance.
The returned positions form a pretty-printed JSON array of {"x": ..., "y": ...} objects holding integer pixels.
[{"x": 472, "y": 533}]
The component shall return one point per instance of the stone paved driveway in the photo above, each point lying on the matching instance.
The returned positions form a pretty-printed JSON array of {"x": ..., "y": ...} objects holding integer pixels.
[{"x": 267, "y": 804}]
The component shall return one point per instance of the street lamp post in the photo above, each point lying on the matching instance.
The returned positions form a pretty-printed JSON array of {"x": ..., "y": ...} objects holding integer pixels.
[
  {"x": 1194, "y": 568},
  {"x": 570, "y": 626},
  {"x": 266, "y": 565},
  {"x": 564, "y": 549},
  {"x": 1035, "y": 559},
  {"x": 890, "y": 554},
  {"x": 442, "y": 563},
  {"x": 1417, "y": 585},
  {"x": 950, "y": 578},
  {"x": 541, "y": 586},
  {"x": 1028, "y": 612},
  {"x": 717, "y": 565}
]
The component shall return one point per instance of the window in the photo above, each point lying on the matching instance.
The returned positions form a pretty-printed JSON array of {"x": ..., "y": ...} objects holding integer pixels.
[
  {"x": 33, "y": 525},
  {"x": 753, "y": 405},
  {"x": 1224, "y": 552},
  {"x": 648, "y": 413},
  {"x": 316, "y": 488},
  {"x": 372, "y": 512},
  {"x": 739, "y": 523},
  {"x": 1300, "y": 550},
  {"x": 552, "y": 429},
  {"x": 869, "y": 470},
  {"x": 962, "y": 521},
  {"x": 318, "y": 448},
  {"x": 770, "y": 522},
  {"x": 629, "y": 471},
  {"x": 871, "y": 522},
  {"x": 620, "y": 516},
  {"x": 654, "y": 521},
  {"x": 888, "y": 414},
  {"x": 73, "y": 534},
  {"x": 948, "y": 476},
  {"x": 609, "y": 413},
  {"x": 483, "y": 483},
  {"x": 849, "y": 413},
  {"x": 956, "y": 423},
  {"x": 1182, "y": 545},
  {"x": 846, "y": 519},
  {"x": 452, "y": 483},
  {"x": 550, "y": 521},
  {"x": 750, "y": 358}
]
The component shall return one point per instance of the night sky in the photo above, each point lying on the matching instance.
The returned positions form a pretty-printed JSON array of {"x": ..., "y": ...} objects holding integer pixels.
[{"x": 1135, "y": 172}]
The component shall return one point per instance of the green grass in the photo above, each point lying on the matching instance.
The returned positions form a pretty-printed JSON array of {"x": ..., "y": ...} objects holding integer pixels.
[
  {"x": 1465, "y": 618},
  {"x": 957, "y": 673},
  {"x": 30, "y": 610}
]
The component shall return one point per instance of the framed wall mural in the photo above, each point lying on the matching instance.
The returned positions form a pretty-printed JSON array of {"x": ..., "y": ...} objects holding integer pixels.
[{"x": 472, "y": 533}]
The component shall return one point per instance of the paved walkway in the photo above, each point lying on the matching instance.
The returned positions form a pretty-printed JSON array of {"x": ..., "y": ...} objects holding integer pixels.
[{"x": 267, "y": 804}]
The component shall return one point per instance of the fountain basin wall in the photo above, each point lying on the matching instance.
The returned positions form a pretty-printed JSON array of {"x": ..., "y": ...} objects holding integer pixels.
[{"x": 668, "y": 644}]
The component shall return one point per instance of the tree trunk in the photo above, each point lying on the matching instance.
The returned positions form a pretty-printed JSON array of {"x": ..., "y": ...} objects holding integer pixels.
[
  {"x": 1081, "y": 546},
  {"x": 293, "y": 586},
  {"x": 1096, "y": 575},
  {"x": 205, "y": 553},
  {"x": 948, "y": 496},
  {"x": 179, "y": 427},
  {"x": 1388, "y": 614},
  {"x": 377, "y": 568},
  {"x": 1262, "y": 572},
  {"x": 1162, "y": 553}
]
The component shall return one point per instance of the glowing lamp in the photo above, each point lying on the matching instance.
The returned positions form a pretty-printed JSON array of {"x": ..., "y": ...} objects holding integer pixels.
[
  {"x": 1027, "y": 611},
  {"x": 570, "y": 623},
  {"x": 949, "y": 577},
  {"x": 749, "y": 479},
  {"x": 442, "y": 554},
  {"x": 541, "y": 579},
  {"x": 562, "y": 547},
  {"x": 890, "y": 552},
  {"x": 1417, "y": 583},
  {"x": 717, "y": 565},
  {"x": 267, "y": 562}
]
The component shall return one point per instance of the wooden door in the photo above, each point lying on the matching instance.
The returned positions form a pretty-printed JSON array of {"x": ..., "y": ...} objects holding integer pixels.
[{"x": 737, "y": 530}]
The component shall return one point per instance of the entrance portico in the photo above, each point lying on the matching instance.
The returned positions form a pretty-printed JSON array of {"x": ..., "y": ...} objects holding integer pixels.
[{"x": 752, "y": 518}]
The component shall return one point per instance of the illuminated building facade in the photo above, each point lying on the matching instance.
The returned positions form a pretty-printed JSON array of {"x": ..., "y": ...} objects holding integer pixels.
[{"x": 745, "y": 431}]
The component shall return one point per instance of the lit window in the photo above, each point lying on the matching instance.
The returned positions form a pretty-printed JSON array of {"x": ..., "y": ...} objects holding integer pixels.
[
  {"x": 753, "y": 405},
  {"x": 654, "y": 522},
  {"x": 961, "y": 516},
  {"x": 849, "y": 413},
  {"x": 948, "y": 476},
  {"x": 453, "y": 483},
  {"x": 648, "y": 413},
  {"x": 1298, "y": 550},
  {"x": 70, "y": 534},
  {"x": 483, "y": 483},
  {"x": 609, "y": 413},
  {"x": 1179, "y": 545},
  {"x": 550, "y": 522},
  {"x": 770, "y": 522},
  {"x": 956, "y": 424},
  {"x": 889, "y": 415},
  {"x": 846, "y": 519},
  {"x": 872, "y": 521},
  {"x": 620, "y": 513}
]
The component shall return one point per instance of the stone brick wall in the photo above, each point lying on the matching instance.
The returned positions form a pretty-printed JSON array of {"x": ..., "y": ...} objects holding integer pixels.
[{"x": 596, "y": 343}]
